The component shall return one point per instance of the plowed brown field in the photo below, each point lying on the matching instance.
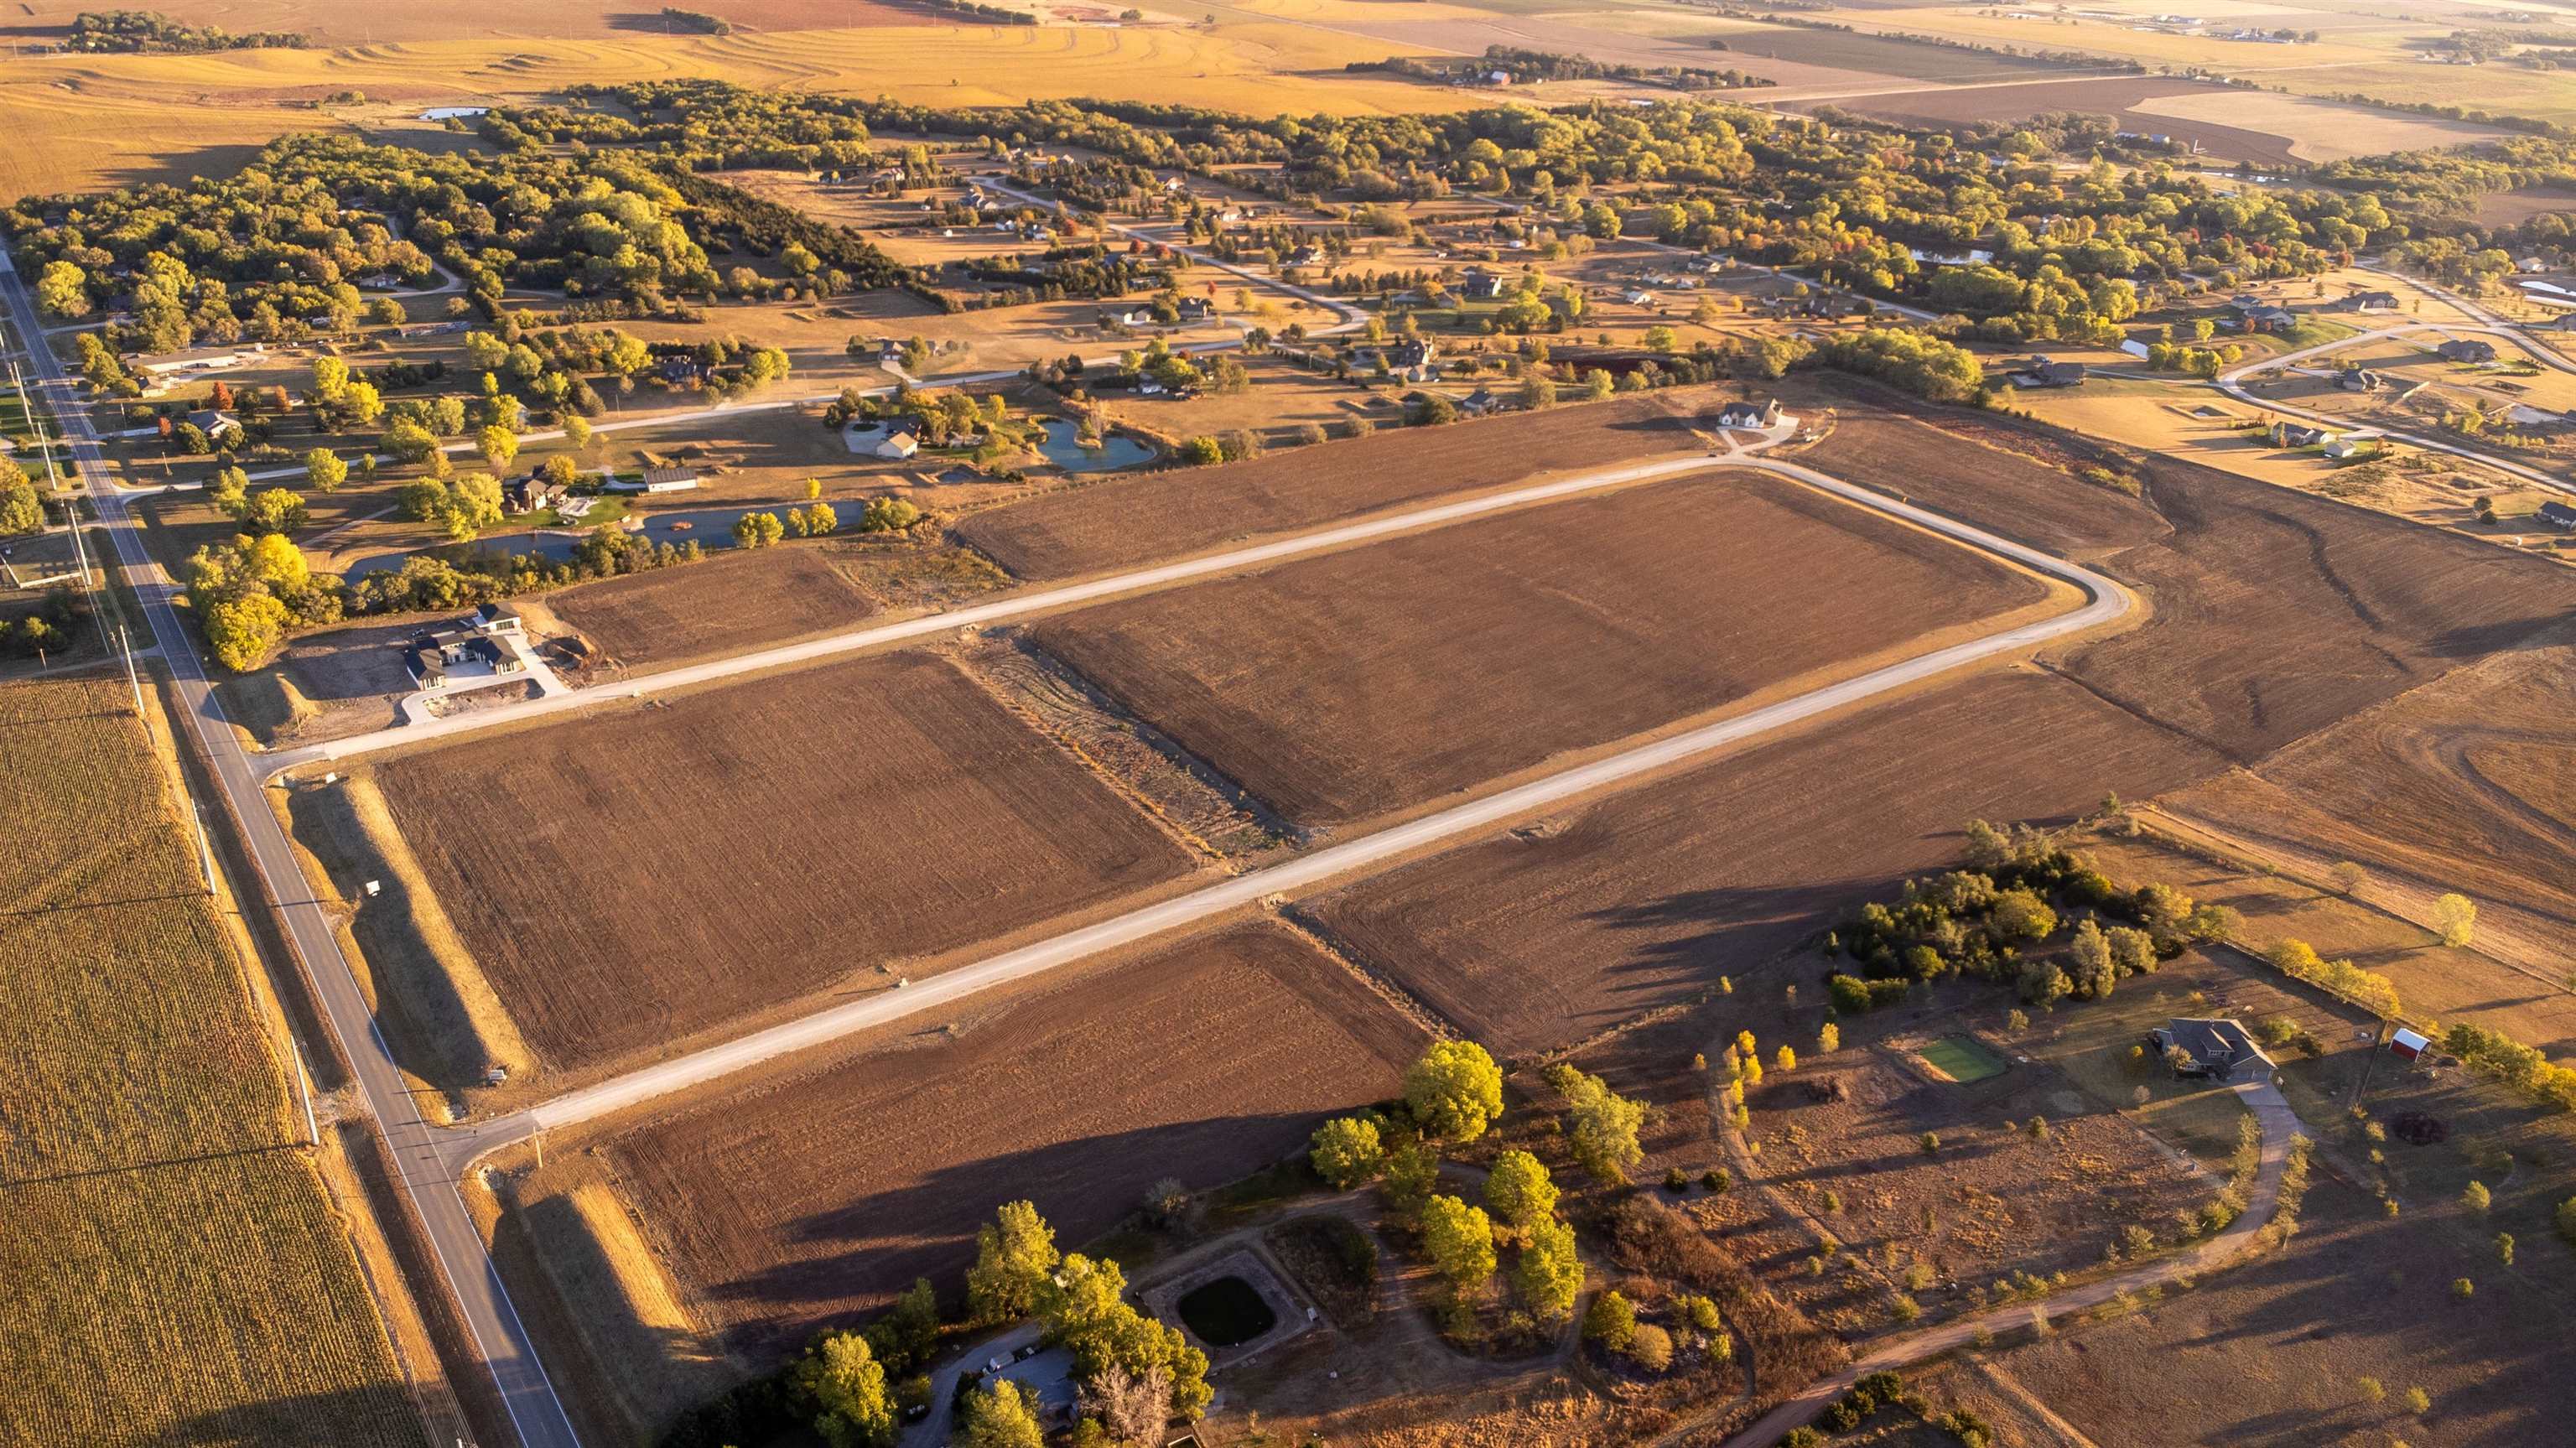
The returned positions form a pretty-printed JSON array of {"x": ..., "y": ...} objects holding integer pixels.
[
  {"x": 2467, "y": 785},
  {"x": 1120, "y": 523},
  {"x": 635, "y": 876},
  {"x": 1551, "y": 933},
  {"x": 2278, "y": 613},
  {"x": 1382, "y": 677},
  {"x": 822, "y": 1196},
  {"x": 733, "y": 601}
]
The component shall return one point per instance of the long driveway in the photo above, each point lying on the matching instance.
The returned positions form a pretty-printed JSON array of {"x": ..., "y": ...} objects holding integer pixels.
[
  {"x": 2105, "y": 601},
  {"x": 2279, "y": 1124},
  {"x": 489, "y": 1316}
]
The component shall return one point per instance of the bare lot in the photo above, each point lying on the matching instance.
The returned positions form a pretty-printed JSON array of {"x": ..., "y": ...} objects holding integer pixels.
[
  {"x": 1558, "y": 930},
  {"x": 1201, "y": 1061},
  {"x": 1122, "y": 522},
  {"x": 636, "y": 876},
  {"x": 1382, "y": 677}
]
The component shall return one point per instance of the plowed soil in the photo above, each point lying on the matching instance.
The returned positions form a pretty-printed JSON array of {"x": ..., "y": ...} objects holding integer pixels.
[
  {"x": 1123, "y": 522},
  {"x": 2278, "y": 613},
  {"x": 1551, "y": 933},
  {"x": 2467, "y": 785},
  {"x": 733, "y": 601},
  {"x": 632, "y": 877},
  {"x": 1381, "y": 677},
  {"x": 823, "y": 1196}
]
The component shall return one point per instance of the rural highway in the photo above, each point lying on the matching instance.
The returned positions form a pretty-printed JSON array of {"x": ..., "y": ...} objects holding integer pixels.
[
  {"x": 488, "y": 1313},
  {"x": 2105, "y": 601},
  {"x": 2279, "y": 1125}
]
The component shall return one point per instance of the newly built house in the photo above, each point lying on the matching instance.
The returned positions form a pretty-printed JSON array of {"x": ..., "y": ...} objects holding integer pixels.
[{"x": 2215, "y": 1050}]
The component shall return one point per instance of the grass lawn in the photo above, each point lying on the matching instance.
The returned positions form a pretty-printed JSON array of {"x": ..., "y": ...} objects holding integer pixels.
[{"x": 1962, "y": 1059}]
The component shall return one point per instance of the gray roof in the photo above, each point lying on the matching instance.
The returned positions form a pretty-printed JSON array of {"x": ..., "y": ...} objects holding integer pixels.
[{"x": 2218, "y": 1044}]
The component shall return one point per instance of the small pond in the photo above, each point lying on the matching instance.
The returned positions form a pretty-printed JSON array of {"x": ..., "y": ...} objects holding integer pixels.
[
  {"x": 1226, "y": 1312},
  {"x": 1116, "y": 451}
]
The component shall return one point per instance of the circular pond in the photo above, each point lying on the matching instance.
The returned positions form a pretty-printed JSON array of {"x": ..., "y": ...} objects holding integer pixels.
[{"x": 1226, "y": 1312}]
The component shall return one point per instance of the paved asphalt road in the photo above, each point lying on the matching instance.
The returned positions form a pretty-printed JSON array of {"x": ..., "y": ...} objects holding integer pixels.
[
  {"x": 2105, "y": 601},
  {"x": 2278, "y": 1122},
  {"x": 433, "y": 1189}
]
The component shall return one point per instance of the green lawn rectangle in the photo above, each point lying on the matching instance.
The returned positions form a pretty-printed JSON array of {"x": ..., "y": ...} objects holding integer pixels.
[{"x": 1961, "y": 1059}]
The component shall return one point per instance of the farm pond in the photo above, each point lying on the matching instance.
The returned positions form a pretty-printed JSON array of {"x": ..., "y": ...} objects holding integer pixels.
[{"x": 1226, "y": 1312}]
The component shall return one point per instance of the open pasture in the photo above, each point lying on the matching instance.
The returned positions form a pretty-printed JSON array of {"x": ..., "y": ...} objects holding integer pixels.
[
  {"x": 1200, "y": 1060},
  {"x": 1121, "y": 522},
  {"x": 1555, "y": 931},
  {"x": 1383, "y": 677},
  {"x": 2187, "y": 110},
  {"x": 631, "y": 878}
]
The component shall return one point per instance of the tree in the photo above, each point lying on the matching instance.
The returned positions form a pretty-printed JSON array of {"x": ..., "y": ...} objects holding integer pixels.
[
  {"x": 820, "y": 520},
  {"x": 497, "y": 444},
  {"x": 1602, "y": 1125},
  {"x": 1454, "y": 1091},
  {"x": 2042, "y": 983},
  {"x": 2456, "y": 917},
  {"x": 323, "y": 470},
  {"x": 2133, "y": 952},
  {"x": 2476, "y": 1197},
  {"x": 62, "y": 291},
  {"x": 1612, "y": 1321},
  {"x": 1518, "y": 1191},
  {"x": 274, "y": 510},
  {"x": 1013, "y": 1255},
  {"x": 1202, "y": 451},
  {"x": 758, "y": 530},
  {"x": 2095, "y": 973},
  {"x": 1548, "y": 1274},
  {"x": 1787, "y": 1059},
  {"x": 1460, "y": 1242},
  {"x": 408, "y": 441},
  {"x": 1346, "y": 1151},
  {"x": 999, "y": 1416},
  {"x": 2022, "y": 915},
  {"x": 576, "y": 431},
  {"x": 243, "y": 631},
  {"x": 1412, "y": 1169},
  {"x": 21, "y": 511},
  {"x": 1651, "y": 1348},
  {"x": 847, "y": 1385},
  {"x": 473, "y": 504},
  {"x": 2348, "y": 876},
  {"x": 2165, "y": 911},
  {"x": 887, "y": 515},
  {"x": 1132, "y": 1406},
  {"x": 1829, "y": 1038}
]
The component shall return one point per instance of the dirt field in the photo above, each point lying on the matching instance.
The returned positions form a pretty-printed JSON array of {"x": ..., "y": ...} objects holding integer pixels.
[
  {"x": 1202, "y": 1061},
  {"x": 1381, "y": 677},
  {"x": 2465, "y": 785},
  {"x": 1119, "y": 523},
  {"x": 733, "y": 601},
  {"x": 2277, "y": 613},
  {"x": 2119, "y": 97},
  {"x": 641, "y": 874},
  {"x": 1557, "y": 930}
]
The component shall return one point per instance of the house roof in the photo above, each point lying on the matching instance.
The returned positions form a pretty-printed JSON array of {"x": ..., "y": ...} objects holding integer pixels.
[
  {"x": 2214, "y": 1042},
  {"x": 669, "y": 475},
  {"x": 2562, "y": 514}
]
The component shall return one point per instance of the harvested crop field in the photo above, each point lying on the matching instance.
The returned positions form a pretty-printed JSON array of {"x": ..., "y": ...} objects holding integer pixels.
[
  {"x": 1203, "y": 1061},
  {"x": 1553, "y": 932},
  {"x": 2114, "y": 96},
  {"x": 1381, "y": 677},
  {"x": 2277, "y": 613},
  {"x": 632, "y": 877},
  {"x": 2467, "y": 785},
  {"x": 1123, "y": 522},
  {"x": 730, "y": 602}
]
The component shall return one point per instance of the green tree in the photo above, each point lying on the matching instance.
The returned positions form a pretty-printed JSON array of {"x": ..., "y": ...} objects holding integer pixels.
[
  {"x": 1612, "y": 1321},
  {"x": 330, "y": 379},
  {"x": 1346, "y": 1151},
  {"x": 1602, "y": 1125},
  {"x": 274, "y": 510},
  {"x": 999, "y": 1416},
  {"x": 1202, "y": 451},
  {"x": 1454, "y": 1091},
  {"x": 2133, "y": 952},
  {"x": 2021, "y": 915},
  {"x": 820, "y": 520},
  {"x": 576, "y": 431},
  {"x": 1547, "y": 1276},
  {"x": 1459, "y": 1239},
  {"x": 1014, "y": 1253},
  {"x": 2095, "y": 973},
  {"x": 243, "y": 631},
  {"x": 62, "y": 291},
  {"x": 1411, "y": 1171},
  {"x": 758, "y": 530},
  {"x": 2476, "y": 1197},
  {"x": 497, "y": 444},
  {"x": 323, "y": 470},
  {"x": 1518, "y": 1191},
  {"x": 887, "y": 515},
  {"x": 21, "y": 511},
  {"x": 848, "y": 1388}
]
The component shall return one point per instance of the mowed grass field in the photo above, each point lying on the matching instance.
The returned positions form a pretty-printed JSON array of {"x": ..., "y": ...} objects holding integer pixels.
[
  {"x": 171, "y": 1270},
  {"x": 1553, "y": 932},
  {"x": 816, "y": 1197},
  {"x": 1123, "y": 522},
  {"x": 628, "y": 879},
  {"x": 1388, "y": 675}
]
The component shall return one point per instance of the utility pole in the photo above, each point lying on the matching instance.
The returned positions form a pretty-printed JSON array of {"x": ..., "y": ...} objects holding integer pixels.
[
  {"x": 205, "y": 850},
  {"x": 304, "y": 1089},
  {"x": 132, "y": 679}
]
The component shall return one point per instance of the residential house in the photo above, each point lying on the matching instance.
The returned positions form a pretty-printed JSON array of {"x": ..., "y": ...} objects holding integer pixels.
[
  {"x": 195, "y": 359},
  {"x": 2369, "y": 302},
  {"x": 2561, "y": 516},
  {"x": 2218, "y": 1050},
  {"x": 1480, "y": 286},
  {"x": 528, "y": 494},
  {"x": 1134, "y": 317},
  {"x": 2299, "y": 434},
  {"x": 465, "y": 646},
  {"x": 2467, "y": 349},
  {"x": 2046, "y": 371},
  {"x": 1749, "y": 414},
  {"x": 2359, "y": 379},
  {"x": 1304, "y": 256},
  {"x": 2531, "y": 265},
  {"x": 1480, "y": 402},
  {"x": 2266, "y": 319},
  {"x": 2562, "y": 322},
  {"x": 2344, "y": 449},
  {"x": 1637, "y": 297},
  {"x": 1412, "y": 357},
  {"x": 213, "y": 420},
  {"x": 499, "y": 618},
  {"x": 1196, "y": 309},
  {"x": 658, "y": 480}
]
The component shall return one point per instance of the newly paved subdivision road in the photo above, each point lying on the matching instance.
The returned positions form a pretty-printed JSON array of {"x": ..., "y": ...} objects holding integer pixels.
[{"x": 2105, "y": 601}]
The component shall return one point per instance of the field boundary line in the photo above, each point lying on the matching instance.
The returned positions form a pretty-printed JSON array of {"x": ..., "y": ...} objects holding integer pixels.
[{"x": 2107, "y": 601}]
